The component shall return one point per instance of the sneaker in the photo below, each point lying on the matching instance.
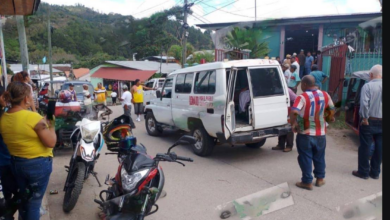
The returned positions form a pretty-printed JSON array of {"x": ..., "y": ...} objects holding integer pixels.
[{"x": 277, "y": 148}]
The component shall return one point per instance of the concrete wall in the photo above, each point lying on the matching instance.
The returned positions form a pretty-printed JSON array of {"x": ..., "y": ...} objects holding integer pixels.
[{"x": 272, "y": 37}]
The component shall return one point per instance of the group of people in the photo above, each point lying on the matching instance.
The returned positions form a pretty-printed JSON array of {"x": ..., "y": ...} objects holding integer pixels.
[
  {"x": 26, "y": 143},
  {"x": 309, "y": 115}
]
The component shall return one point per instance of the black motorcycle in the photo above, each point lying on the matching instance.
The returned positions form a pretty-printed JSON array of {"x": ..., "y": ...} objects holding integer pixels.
[{"x": 139, "y": 181}]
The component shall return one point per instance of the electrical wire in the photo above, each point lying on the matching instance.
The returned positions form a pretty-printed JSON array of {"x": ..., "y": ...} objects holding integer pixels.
[
  {"x": 151, "y": 7},
  {"x": 219, "y": 9}
]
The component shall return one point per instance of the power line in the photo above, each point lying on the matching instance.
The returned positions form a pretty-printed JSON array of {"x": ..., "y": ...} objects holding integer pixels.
[
  {"x": 198, "y": 19},
  {"x": 219, "y": 9},
  {"x": 140, "y": 5},
  {"x": 151, "y": 7}
]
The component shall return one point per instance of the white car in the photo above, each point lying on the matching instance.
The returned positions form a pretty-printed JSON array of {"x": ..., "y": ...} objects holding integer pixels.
[
  {"x": 205, "y": 100},
  {"x": 156, "y": 83}
]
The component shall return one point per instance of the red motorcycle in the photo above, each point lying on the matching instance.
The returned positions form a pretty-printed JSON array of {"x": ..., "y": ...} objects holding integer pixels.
[{"x": 139, "y": 180}]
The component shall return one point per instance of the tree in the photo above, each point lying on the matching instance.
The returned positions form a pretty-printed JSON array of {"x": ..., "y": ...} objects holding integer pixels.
[
  {"x": 247, "y": 38},
  {"x": 197, "y": 57},
  {"x": 176, "y": 52}
]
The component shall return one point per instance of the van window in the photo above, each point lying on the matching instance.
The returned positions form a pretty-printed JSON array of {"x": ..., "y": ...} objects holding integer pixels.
[
  {"x": 167, "y": 90},
  {"x": 184, "y": 83},
  {"x": 149, "y": 84},
  {"x": 266, "y": 82},
  {"x": 205, "y": 82}
]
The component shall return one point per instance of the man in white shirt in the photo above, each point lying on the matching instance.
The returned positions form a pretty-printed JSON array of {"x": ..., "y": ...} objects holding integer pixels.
[
  {"x": 87, "y": 100},
  {"x": 294, "y": 62},
  {"x": 126, "y": 100},
  {"x": 286, "y": 71}
]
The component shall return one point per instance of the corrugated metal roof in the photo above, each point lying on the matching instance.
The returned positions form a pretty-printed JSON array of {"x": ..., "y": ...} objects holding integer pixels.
[
  {"x": 19, "y": 67},
  {"x": 117, "y": 73},
  {"x": 147, "y": 65}
]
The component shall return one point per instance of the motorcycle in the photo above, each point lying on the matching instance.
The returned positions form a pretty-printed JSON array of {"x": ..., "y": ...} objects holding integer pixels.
[
  {"x": 87, "y": 141},
  {"x": 139, "y": 181}
]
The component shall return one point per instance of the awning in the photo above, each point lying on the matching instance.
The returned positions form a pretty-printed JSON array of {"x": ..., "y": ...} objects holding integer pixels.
[
  {"x": 371, "y": 23},
  {"x": 123, "y": 74},
  {"x": 18, "y": 7}
]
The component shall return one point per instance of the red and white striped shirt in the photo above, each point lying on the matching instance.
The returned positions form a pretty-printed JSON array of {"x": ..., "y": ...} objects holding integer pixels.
[{"x": 311, "y": 106}]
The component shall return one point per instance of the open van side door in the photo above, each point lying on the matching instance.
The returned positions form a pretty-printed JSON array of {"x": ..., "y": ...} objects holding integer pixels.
[{"x": 230, "y": 118}]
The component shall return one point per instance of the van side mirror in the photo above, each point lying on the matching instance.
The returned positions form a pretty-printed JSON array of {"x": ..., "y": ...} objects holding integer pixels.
[{"x": 158, "y": 94}]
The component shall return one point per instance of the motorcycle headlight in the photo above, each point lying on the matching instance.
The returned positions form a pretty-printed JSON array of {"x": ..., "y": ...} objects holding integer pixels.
[
  {"x": 89, "y": 134},
  {"x": 130, "y": 181}
]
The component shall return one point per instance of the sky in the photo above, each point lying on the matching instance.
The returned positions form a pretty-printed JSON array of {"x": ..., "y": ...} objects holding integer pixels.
[{"x": 205, "y": 11}]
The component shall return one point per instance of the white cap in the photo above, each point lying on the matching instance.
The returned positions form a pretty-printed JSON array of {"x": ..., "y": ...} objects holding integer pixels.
[{"x": 125, "y": 87}]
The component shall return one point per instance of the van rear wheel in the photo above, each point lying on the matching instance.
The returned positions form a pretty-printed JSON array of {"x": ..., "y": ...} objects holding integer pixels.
[
  {"x": 257, "y": 144},
  {"x": 151, "y": 125},
  {"x": 205, "y": 144}
]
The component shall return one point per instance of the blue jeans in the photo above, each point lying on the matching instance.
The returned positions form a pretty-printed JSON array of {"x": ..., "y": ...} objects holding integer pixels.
[
  {"x": 307, "y": 71},
  {"x": 367, "y": 135},
  {"x": 311, "y": 149},
  {"x": 32, "y": 177},
  {"x": 301, "y": 71}
]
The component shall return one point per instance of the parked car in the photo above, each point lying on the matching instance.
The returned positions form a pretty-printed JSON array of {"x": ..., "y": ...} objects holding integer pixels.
[
  {"x": 156, "y": 83},
  {"x": 205, "y": 100}
]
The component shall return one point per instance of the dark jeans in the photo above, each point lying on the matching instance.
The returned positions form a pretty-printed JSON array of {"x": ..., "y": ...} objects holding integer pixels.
[
  {"x": 32, "y": 177},
  {"x": 127, "y": 112},
  {"x": 286, "y": 140},
  {"x": 368, "y": 134},
  {"x": 311, "y": 149},
  {"x": 301, "y": 71},
  {"x": 10, "y": 191}
]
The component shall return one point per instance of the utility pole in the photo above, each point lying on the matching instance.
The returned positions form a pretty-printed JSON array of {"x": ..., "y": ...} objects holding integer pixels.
[
  {"x": 255, "y": 10},
  {"x": 50, "y": 54},
  {"x": 185, "y": 32},
  {"x": 2, "y": 52},
  {"x": 22, "y": 42}
]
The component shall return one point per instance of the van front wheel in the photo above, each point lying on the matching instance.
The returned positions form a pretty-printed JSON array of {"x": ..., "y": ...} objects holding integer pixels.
[
  {"x": 205, "y": 144},
  {"x": 151, "y": 125},
  {"x": 257, "y": 144}
]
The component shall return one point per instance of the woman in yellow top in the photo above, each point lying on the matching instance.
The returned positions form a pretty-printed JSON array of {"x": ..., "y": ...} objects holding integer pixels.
[
  {"x": 30, "y": 139},
  {"x": 101, "y": 94},
  {"x": 138, "y": 98}
]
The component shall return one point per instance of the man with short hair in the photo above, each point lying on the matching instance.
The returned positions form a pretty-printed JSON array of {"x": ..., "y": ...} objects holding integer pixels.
[
  {"x": 138, "y": 97},
  {"x": 301, "y": 58},
  {"x": 296, "y": 57},
  {"x": 308, "y": 64},
  {"x": 320, "y": 76},
  {"x": 294, "y": 79},
  {"x": 87, "y": 100},
  {"x": 370, "y": 128},
  {"x": 286, "y": 71},
  {"x": 72, "y": 93},
  {"x": 278, "y": 59},
  {"x": 308, "y": 119},
  {"x": 315, "y": 57},
  {"x": 295, "y": 62},
  {"x": 126, "y": 100}
]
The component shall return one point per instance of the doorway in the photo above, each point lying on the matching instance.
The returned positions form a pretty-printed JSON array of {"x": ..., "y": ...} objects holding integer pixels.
[{"x": 301, "y": 38}]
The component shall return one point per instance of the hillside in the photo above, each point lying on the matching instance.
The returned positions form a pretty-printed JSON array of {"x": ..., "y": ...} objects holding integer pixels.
[{"x": 86, "y": 37}]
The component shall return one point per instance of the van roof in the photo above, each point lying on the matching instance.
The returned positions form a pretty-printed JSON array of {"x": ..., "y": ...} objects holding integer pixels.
[{"x": 228, "y": 64}]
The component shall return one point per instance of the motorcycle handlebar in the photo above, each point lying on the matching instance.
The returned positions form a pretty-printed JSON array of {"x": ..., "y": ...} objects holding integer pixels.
[{"x": 188, "y": 159}]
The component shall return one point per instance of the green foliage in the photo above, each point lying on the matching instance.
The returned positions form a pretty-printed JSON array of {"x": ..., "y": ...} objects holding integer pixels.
[
  {"x": 86, "y": 37},
  {"x": 175, "y": 51},
  {"x": 247, "y": 39},
  {"x": 196, "y": 57}
]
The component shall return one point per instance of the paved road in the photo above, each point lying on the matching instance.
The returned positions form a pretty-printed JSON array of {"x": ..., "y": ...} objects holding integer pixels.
[{"x": 196, "y": 190}]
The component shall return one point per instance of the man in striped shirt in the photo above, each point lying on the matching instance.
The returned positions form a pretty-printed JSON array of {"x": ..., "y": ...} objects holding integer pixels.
[{"x": 308, "y": 119}]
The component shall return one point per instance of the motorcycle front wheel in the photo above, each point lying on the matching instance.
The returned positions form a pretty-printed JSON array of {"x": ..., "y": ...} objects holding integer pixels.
[{"x": 74, "y": 187}]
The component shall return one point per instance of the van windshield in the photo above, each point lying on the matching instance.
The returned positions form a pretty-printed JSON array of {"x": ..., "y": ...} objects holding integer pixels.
[{"x": 266, "y": 82}]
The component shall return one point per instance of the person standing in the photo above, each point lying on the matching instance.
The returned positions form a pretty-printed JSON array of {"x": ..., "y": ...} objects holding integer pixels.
[
  {"x": 287, "y": 60},
  {"x": 308, "y": 120},
  {"x": 72, "y": 93},
  {"x": 286, "y": 142},
  {"x": 87, "y": 99},
  {"x": 101, "y": 94},
  {"x": 302, "y": 59},
  {"x": 294, "y": 79},
  {"x": 319, "y": 76},
  {"x": 296, "y": 57},
  {"x": 113, "y": 97},
  {"x": 278, "y": 59},
  {"x": 287, "y": 73},
  {"x": 315, "y": 57},
  {"x": 295, "y": 62},
  {"x": 308, "y": 64},
  {"x": 370, "y": 129},
  {"x": 126, "y": 100},
  {"x": 30, "y": 140},
  {"x": 24, "y": 77},
  {"x": 138, "y": 97}
]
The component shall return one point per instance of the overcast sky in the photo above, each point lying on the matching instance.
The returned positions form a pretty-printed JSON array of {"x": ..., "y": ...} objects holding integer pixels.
[{"x": 237, "y": 10}]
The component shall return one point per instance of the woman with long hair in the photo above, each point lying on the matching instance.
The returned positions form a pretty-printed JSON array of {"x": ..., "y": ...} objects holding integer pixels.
[
  {"x": 24, "y": 77},
  {"x": 30, "y": 140}
]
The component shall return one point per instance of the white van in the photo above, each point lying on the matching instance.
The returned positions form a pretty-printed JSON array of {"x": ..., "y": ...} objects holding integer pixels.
[{"x": 235, "y": 102}]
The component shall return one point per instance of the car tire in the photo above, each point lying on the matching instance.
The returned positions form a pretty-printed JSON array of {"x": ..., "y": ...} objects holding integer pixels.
[
  {"x": 151, "y": 125},
  {"x": 257, "y": 144},
  {"x": 205, "y": 144}
]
